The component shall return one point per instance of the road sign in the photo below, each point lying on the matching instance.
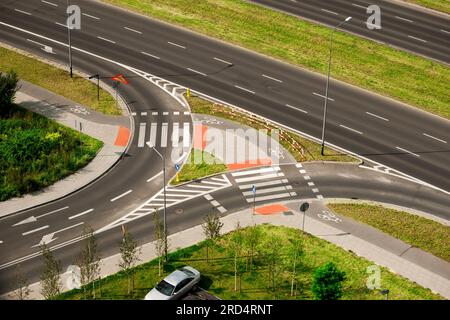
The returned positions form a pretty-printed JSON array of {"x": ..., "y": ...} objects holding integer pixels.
[
  {"x": 304, "y": 206},
  {"x": 254, "y": 189},
  {"x": 177, "y": 167},
  {"x": 120, "y": 78}
]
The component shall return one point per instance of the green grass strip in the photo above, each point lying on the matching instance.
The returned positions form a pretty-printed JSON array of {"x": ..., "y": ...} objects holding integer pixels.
[{"x": 422, "y": 233}]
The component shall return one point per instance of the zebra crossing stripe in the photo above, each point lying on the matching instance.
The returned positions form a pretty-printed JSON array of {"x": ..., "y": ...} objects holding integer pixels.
[
  {"x": 249, "y": 172},
  {"x": 256, "y": 178},
  {"x": 164, "y": 130},
  {"x": 175, "y": 134},
  {"x": 141, "y": 140},
  {"x": 186, "y": 135},
  {"x": 153, "y": 131},
  {"x": 271, "y": 197},
  {"x": 267, "y": 190},
  {"x": 263, "y": 184}
]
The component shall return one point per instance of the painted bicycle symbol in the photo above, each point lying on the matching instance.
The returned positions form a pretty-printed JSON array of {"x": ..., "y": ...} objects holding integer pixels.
[
  {"x": 211, "y": 121},
  {"x": 277, "y": 153},
  {"x": 80, "y": 110},
  {"x": 329, "y": 216}
]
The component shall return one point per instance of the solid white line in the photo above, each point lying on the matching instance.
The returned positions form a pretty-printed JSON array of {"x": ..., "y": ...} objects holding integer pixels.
[
  {"x": 267, "y": 190},
  {"x": 132, "y": 30},
  {"x": 54, "y": 211},
  {"x": 263, "y": 170},
  {"x": 445, "y": 31},
  {"x": 351, "y": 129},
  {"x": 377, "y": 116},
  {"x": 404, "y": 150},
  {"x": 432, "y": 137},
  {"x": 176, "y": 45},
  {"x": 267, "y": 176},
  {"x": 89, "y": 16},
  {"x": 61, "y": 24},
  {"x": 319, "y": 95},
  {"x": 81, "y": 214},
  {"x": 252, "y": 92},
  {"x": 155, "y": 176},
  {"x": 175, "y": 134},
  {"x": 404, "y": 19},
  {"x": 217, "y": 59},
  {"x": 271, "y": 78},
  {"x": 270, "y": 197},
  {"x": 153, "y": 132},
  {"x": 332, "y": 12},
  {"x": 418, "y": 39},
  {"x": 298, "y": 109},
  {"x": 104, "y": 39},
  {"x": 198, "y": 72},
  {"x": 49, "y": 3},
  {"x": 35, "y": 230},
  {"x": 186, "y": 135},
  {"x": 164, "y": 130},
  {"x": 150, "y": 55},
  {"x": 71, "y": 227},
  {"x": 359, "y": 6},
  {"x": 142, "y": 129},
  {"x": 24, "y": 12},
  {"x": 122, "y": 195}
]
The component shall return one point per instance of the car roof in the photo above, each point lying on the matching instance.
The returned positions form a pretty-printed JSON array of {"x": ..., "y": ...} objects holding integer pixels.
[{"x": 176, "y": 277}]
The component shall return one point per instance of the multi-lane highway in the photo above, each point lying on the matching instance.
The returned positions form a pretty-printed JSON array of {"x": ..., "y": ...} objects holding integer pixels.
[
  {"x": 377, "y": 128},
  {"x": 380, "y": 129},
  {"x": 405, "y": 27}
]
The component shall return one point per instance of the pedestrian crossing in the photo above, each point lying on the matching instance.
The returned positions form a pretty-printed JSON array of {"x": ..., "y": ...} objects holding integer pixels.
[
  {"x": 263, "y": 184},
  {"x": 174, "y": 196},
  {"x": 156, "y": 113},
  {"x": 164, "y": 134}
]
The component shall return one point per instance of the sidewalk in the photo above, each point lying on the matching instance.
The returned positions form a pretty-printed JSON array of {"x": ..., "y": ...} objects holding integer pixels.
[
  {"x": 432, "y": 273},
  {"x": 113, "y": 131}
]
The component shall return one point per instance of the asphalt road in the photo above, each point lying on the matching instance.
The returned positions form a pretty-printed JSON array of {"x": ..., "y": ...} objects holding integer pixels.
[
  {"x": 341, "y": 181},
  {"x": 372, "y": 126},
  {"x": 402, "y": 26}
]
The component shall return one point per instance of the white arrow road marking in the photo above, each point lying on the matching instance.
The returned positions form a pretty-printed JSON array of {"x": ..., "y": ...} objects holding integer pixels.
[
  {"x": 1, "y": 241},
  {"x": 34, "y": 219},
  {"x": 46, "y": 239}
]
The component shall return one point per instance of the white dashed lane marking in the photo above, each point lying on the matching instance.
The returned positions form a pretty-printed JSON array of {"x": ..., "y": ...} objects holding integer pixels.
[
  {"x": 81, "y": 214},
  {"x": 432, "y": 137},
  {"x": 35, "y": 230}
]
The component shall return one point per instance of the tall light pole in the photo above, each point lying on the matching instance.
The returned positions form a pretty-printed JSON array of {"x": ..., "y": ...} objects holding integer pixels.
[
  {"x": 164, "y": 188},
  {"x": 328, "y": 81},
  {"x": 69, "y": 34}
]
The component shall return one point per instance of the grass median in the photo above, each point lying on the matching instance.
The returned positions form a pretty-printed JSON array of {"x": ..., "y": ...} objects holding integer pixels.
[
  {"x": 439, "y": 5},
  {"x": 192, "y": 170},
  {"x": 256, "y": 280},
  {"x": 77, "y": 89},
  {"x": 379, "y": 68},
  {"x": 35, "y": 152},
  {"x": 302, "y": 149},
  {"x": 422, "y": 233}
]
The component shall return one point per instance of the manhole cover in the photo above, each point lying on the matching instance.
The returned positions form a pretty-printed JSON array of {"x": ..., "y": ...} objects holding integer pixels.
[{"x": 179, "y": 211}]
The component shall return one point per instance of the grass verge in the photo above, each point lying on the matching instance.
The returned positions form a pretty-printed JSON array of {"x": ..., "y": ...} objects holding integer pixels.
[
  {"x": 379, "y": 68},
  {"x": 58, "y": 81},
  {"x": 422, "y": 233},
  {"x": 192, "y": 170},
  {"x": 439, "y": 5},
  {"x": 255, "y": 283},
  {"x": 302, "y": 149},
  {"x": 35, "y": 152}
]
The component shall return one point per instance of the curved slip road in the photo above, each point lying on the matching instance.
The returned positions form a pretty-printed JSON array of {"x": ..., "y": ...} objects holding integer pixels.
[{"x": 402, "y": 26}]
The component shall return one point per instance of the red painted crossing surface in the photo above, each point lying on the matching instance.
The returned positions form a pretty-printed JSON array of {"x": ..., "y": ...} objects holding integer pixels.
[
  {"x": 122, "y": 137},
  {"x": 200, "y": 136},
  {"x": 249, "y": 164},
  {"x": 271, "y": 209}
]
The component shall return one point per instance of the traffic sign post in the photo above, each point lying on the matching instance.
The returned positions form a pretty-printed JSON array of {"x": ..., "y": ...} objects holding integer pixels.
[
  {"x": 303, "y": 207},
  {"x": 254, "y": 198},
  {"x": 177, "y": 168}
]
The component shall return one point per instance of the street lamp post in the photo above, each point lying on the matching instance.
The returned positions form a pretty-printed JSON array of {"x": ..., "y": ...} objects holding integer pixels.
[
  {"x": 164, "y": 188},
  {"x": 328, "y": 81},
  {"x": 70, "y": 42}
]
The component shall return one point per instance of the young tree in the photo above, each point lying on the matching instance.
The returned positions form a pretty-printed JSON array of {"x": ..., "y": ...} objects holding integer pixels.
[
  {"x": 129, "y": 252},
  {"x": 211, "y": 230},
  {"x": 8, "y": 89},
  {"x": 20, "y": 282},
  {"x": 295, "y": 253},
  {"x": 327, "y": 282},
  {"x": 160, "y": 242},
  {"x": 273, "y": 259},
  {"x": 252, "y": 237},
  {"x": 235, "y": 249},
  {"x": 50, "y": 277},
  {"x": 89, "y": 260}
]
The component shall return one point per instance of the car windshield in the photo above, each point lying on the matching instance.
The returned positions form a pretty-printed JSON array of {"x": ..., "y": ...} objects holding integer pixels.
[
  {"x": 165, "y": 288},
  {"x": 188, "y": 272}
]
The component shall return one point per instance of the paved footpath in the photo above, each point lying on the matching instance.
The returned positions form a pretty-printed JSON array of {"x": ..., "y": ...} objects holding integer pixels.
[
  {"x": 414, "y": 264},
  {"x": 114, "y": 131}
]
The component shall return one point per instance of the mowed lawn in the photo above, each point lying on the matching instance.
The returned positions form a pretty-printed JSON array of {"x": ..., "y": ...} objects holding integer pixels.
[
  {"x": 77, "y": 89},
  {"x": 439, "y": 5},
  {"x": 422, "y": 233},
  {"x": 274, "y": 244},
  {"x": 379, "y": 68}
]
